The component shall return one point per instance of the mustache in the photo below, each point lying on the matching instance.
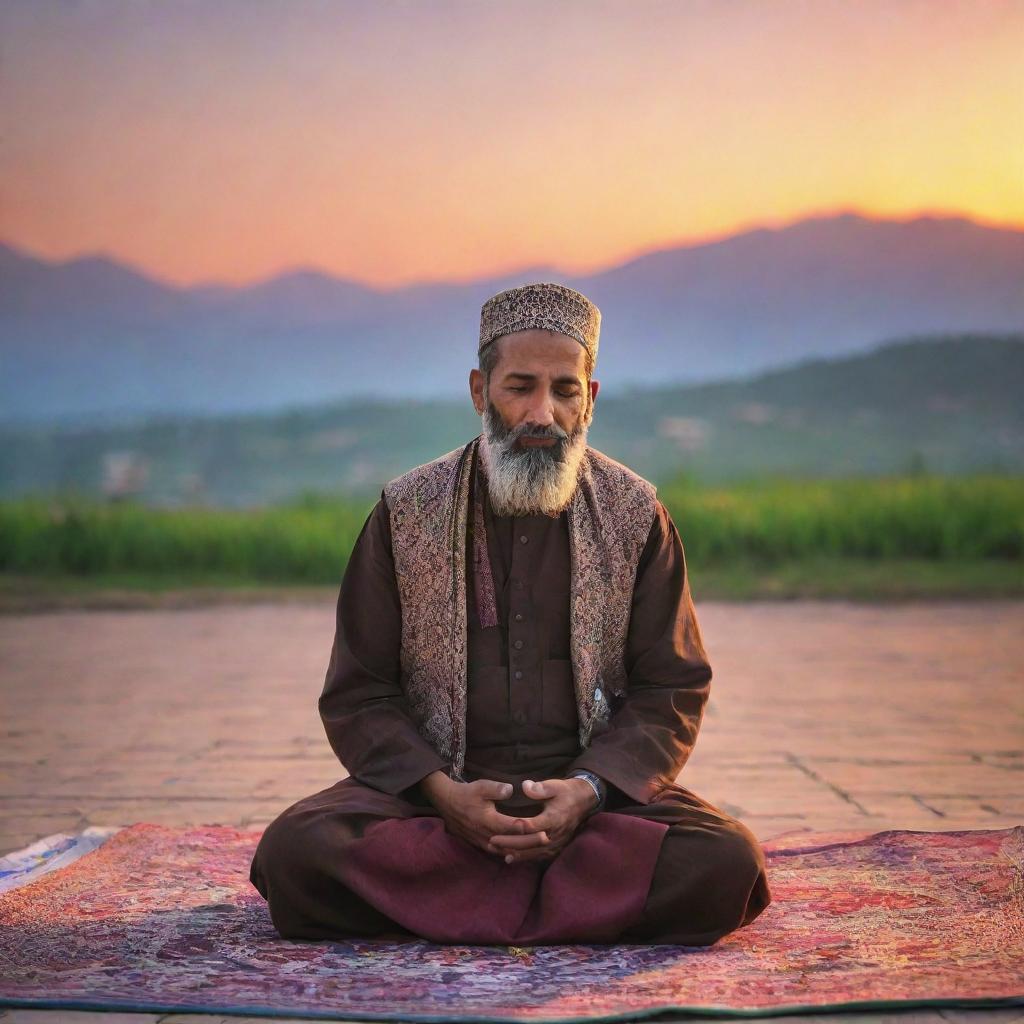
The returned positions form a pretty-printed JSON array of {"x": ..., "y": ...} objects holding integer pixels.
[
  {"x": 508, "y": 436},
  {"x": 553, "y": 433}
]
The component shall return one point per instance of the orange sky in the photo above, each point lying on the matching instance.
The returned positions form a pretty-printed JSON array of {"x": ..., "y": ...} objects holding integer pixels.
[{"x": 393, "y": 142}]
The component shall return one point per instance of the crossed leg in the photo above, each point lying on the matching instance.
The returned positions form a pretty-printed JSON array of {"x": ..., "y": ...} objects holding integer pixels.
[{"x": 709, "y": 878}]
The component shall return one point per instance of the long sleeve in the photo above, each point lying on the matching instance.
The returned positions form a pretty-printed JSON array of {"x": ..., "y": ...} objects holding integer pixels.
[
  {"x": 652, "y": 732},
  {"x": 362, "y": 707}
]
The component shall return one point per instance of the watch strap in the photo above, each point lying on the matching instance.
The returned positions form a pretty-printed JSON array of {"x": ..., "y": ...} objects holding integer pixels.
[{"x": 596, "y": 783}]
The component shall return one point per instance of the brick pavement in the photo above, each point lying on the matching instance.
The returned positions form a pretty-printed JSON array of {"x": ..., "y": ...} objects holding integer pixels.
[{"x": 824, "y": 715}]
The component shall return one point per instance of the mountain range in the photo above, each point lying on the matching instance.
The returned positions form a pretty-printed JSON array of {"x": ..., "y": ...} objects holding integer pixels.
[{"x": 92, "y": 340}]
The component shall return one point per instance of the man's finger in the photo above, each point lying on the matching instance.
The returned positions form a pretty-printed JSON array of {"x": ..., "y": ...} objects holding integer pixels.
[
  {"x": 515, "y": 858},
  {"x": 547, "y": 820},
  {"x": 537, "y": 853},
  {"x": 537, "y": 790},
  {"x": 503, "y": 824},
  {"x": 524, "y": 842},
  {"x": 493, "y": 790}
]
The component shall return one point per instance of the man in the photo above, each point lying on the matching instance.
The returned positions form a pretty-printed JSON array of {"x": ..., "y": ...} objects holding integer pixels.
[{"x": 517, "y": 678}]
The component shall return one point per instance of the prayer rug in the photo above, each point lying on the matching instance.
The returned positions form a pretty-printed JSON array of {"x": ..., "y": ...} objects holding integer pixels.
[
  {"x": 163, "y": 920},
  {"x": 48, "y": 854}
]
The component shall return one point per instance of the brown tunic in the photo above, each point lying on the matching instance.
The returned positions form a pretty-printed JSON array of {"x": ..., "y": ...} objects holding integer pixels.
[
  {"x": 522, "y": 712},
  {"x": 521, "y": 723}
]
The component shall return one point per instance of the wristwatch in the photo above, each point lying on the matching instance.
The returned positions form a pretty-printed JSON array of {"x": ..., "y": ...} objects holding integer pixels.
[{"x": 596, "y": 783}]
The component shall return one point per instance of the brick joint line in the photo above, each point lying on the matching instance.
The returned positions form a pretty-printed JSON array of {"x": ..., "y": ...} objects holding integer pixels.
[{"x": 841, "y": 793}]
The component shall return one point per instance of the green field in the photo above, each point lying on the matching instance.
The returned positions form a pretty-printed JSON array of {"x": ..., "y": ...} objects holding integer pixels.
[{"x": 865, "y": 538}]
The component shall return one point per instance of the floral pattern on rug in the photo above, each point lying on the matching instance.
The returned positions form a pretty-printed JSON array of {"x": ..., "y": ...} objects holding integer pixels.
[{"x": 166, "y": 919}]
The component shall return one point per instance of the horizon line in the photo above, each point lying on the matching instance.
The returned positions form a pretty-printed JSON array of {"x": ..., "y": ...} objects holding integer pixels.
[{"x": 741, "y": 228}]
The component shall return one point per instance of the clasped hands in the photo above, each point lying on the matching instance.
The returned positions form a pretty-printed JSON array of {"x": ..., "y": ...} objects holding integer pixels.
[{"x": 468, "y": 810}]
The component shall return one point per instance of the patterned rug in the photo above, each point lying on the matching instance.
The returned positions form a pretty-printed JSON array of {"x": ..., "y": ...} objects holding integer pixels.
[
  {"x": 48, "y": 854},
  {"x": 163, "y": 920}
]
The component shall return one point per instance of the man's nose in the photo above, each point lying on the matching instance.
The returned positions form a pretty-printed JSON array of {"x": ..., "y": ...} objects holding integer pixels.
[{"x": 542, "y": 411}]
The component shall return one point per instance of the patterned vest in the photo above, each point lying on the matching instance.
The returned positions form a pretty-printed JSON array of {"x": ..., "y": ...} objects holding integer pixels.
[{"x": 609, "y": 519}]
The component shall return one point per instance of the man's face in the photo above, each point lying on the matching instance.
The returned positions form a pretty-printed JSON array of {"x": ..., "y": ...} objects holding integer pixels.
[
  {"x": 539, "y": 381},
  {"x": 536, "y": 408}
]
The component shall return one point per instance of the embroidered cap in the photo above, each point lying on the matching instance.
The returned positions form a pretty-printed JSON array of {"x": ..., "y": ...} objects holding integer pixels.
[{"x": 545, "y": 304}]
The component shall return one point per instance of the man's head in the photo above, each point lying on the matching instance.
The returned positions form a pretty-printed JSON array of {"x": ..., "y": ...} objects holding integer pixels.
[{"x": 535, "y": 390}]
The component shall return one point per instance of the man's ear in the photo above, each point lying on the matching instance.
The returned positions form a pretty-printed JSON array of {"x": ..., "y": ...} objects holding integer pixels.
[
  {"x": 593, "y": 388},
  {"x": 476, "y": 390}
]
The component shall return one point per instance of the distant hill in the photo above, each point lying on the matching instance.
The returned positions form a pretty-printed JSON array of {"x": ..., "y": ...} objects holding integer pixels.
[
  {"x": 92, "y": 338},
  {"x": 943, "y": 405}
]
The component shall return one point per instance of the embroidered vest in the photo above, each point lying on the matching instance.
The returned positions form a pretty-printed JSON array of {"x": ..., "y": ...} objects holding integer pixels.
[{"x": 609, "y": 520}]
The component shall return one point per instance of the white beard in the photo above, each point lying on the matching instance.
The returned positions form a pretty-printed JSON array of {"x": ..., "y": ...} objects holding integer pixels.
[{"x": 528, "y": 481}]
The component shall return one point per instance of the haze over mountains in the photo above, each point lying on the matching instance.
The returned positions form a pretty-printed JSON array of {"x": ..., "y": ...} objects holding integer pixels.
[
  {"x": 944, "y": 405},
  {"x": 89, "y": 338}
]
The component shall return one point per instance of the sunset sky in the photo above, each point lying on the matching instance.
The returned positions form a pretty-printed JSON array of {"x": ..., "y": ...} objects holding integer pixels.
[{"x": 394, "y": 142}]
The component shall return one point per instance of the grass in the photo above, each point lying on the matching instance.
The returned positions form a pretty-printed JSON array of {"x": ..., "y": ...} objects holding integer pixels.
[
  {"x": 306, "y": 541},
  {"x": 771, "y": 521},
  {"x": 865, "y": 538}
]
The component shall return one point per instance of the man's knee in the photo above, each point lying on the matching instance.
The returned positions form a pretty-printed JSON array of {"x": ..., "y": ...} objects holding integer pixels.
[
  {"x": 737, "y": 852},
  {"x": 297, "y": 868},
  {"x": 279, "y": 852},
  {"x": 263, "y": 857},
  {"x": 709, "y": 881},
  {"x": 745, "y": 866}
]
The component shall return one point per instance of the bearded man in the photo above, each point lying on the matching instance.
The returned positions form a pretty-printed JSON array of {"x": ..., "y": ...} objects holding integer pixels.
[{"x": 517, "y": 679}]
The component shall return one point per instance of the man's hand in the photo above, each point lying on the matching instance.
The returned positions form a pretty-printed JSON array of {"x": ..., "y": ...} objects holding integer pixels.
[
  {"x": 468, "y": 809},
  {"x": 568, "y": 802}
]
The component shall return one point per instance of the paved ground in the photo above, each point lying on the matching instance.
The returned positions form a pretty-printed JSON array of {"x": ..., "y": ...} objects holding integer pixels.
[{"x": 823, "y": 716}]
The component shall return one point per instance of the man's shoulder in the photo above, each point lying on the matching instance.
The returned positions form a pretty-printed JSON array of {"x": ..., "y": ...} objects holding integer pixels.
[
  {"x": 428, "y": 477},
  {"x": 614, "y": 474}
]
